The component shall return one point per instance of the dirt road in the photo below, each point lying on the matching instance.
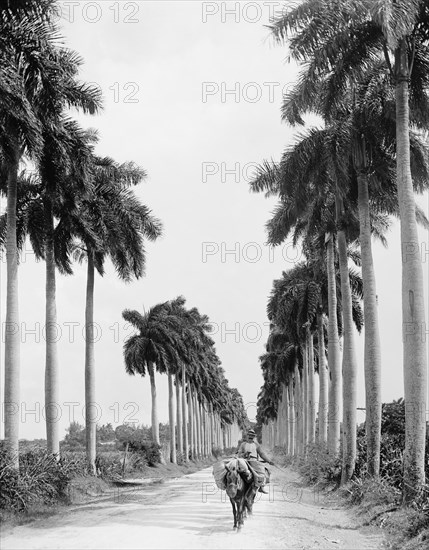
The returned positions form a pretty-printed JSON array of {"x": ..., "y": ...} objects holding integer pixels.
[{"x": 190, "y": 512}]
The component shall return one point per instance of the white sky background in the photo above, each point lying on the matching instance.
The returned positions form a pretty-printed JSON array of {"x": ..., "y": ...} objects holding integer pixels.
[{"x": 162, "y": 59}]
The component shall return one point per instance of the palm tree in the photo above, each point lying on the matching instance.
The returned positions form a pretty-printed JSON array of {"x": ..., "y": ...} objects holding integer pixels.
[
  {"x": 363, "y": 121},
  {"x": 338, "y": 47},
  {"x": 26, "y": 38},
  {"x": 56, "y": 168},
  {"x": 111, "y": 222},
  {"x": 59, "y": 161},
  {"x": 326, "y": 155},
  {"x": 278, "y": 369},
  {"x": 193, "y": 325},
  {"x": 27, "y": 7},
  {"x": 303, "y": 178},
  {"x": 307, "y": 284},
  {"x": 35, "y": 213},
  {"x": 170, "y": 337},
  {"x": 154, "y": 344},
  {"x": 322, "y": 415},
  {"x": 200, "y": 369}
]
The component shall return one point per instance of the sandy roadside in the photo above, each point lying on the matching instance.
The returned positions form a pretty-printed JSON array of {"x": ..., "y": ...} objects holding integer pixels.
[{"x": 190, "y": 512}]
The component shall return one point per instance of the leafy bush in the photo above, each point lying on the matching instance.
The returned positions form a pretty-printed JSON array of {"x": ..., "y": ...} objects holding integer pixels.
[
  {"x": 41, "y": 478},
  {"x": 408, "y": 528},
  {"x": 320, "y": 467},
  {"x": 375, "y": 492},
  {"x": 109, "y": 465},
  {"x": 139, "y": 442},
  {"x": 217, "y": 452},
  {"x": 148, "y": 451},
  {"x": 408, "y": 525},
  {"x": 391, "y": 447}
]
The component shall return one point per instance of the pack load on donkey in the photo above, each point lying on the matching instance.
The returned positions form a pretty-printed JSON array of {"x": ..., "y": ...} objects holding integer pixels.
[
  {"x": 258, "y": 470},
  {"x": 242, "y": 466},
  {"x": 219, "y": 474}
]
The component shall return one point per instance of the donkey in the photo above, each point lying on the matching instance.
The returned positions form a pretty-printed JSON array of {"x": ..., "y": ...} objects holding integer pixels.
[{"x": 241, "y": 493}]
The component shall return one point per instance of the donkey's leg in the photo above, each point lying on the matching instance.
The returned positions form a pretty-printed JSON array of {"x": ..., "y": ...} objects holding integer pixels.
[
  {"x": 240, "y": 510},
  {"x": 244, "y": 505},
  {"x": 250, "y": 497},
  {"x": 234, "y": 511}
]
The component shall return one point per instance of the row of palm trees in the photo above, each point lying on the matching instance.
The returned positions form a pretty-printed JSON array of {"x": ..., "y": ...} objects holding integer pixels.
[
  {"x": 73, "y": 205},
  {"x": 77, "y": 206},
  {"x": 365, "y": 69},
  {"x": 175, "y": 341}
]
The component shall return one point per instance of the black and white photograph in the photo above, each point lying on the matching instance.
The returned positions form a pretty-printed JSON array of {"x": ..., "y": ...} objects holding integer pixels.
[{"x": 214, "y": 274}]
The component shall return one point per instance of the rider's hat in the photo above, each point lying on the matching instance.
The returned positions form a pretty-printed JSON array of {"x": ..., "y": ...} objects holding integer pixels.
[{"x": 251, "y": 432}]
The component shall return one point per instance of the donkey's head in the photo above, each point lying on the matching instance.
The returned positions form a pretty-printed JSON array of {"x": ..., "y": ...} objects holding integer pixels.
[{"x": 234, "y": 482}]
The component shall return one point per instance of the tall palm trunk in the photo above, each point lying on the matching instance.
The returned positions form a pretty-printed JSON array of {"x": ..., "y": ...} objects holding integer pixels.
[
  {"x": 52, "y": 406},
  {"x": 216, "y": 432},
  {"x": 90, "y": 412},
  {"x": 171, "y": 420},
  {"x": 219, "y": 431},
  {"x": 154, "y": 415},
  {"x": 191, "y": 422},
  {"x": 311, "y": 421},
  {"x": 305, "y": 399},
  {"x": 286, "y": 419},
  {"x": 184, "y": 417},
  {"x": 12, "y": 328},
  {"x": 292, "y": 419},
  {"x": 413, "y": 308},
  {"x": 322, "y": 437},
  {"x": 280, "y": 417},
  {"x": 298, "y": 412},
  {"x": 203, "y": 428},
  {"x": 212, "y": 429},
  {"x": 372, "y": 353},
  {"x": 197, "y": 425},
  {"x": 333, "y": 355},
  {"x": 349, "y": 368},
  {"x": 207, "y": 429},
  {"x": 179, "y": 417},
  {"x": 349, "y": 356},
  {"x": 276, "y": 431}
]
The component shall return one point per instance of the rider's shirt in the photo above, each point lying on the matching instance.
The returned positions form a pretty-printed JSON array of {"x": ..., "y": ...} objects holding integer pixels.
[
  {"x": 249, "y": 449},
  {"x": 254, "y": 450}
]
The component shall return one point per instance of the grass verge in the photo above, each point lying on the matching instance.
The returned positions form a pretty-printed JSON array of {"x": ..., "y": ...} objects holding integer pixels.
[{"x": 374, "y": 501}]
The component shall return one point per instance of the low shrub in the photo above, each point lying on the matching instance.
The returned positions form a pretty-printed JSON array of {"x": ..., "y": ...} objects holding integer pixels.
[
  {"x": 148, "y": 451},
  {"x": 320, "y": 467},
  {"x": 217, "y": 452},
  {"x": 372, "y": 492},
  {"x": 41, "y": 478},
  {"x": 281, "y": 457},
  {"x": 408, "y": 529},
  {"x": 391, "y": 457},
  {"x": 109, "y": 465}
]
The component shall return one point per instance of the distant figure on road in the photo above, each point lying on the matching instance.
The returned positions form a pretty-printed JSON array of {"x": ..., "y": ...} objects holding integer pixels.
[{"x": 251, "y": 450}]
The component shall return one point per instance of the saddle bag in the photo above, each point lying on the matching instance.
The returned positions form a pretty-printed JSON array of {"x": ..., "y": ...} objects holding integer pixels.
[
  {"x": 219, "y": 474},
  {"x": 258, "y": 470}
]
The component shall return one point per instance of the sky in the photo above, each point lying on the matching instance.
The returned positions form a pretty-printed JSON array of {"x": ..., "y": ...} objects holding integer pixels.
[{"x": 192, "y": 93}]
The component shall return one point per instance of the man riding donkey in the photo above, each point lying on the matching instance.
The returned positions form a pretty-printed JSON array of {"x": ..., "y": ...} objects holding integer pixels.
[{"x": 250, "y": 450}]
